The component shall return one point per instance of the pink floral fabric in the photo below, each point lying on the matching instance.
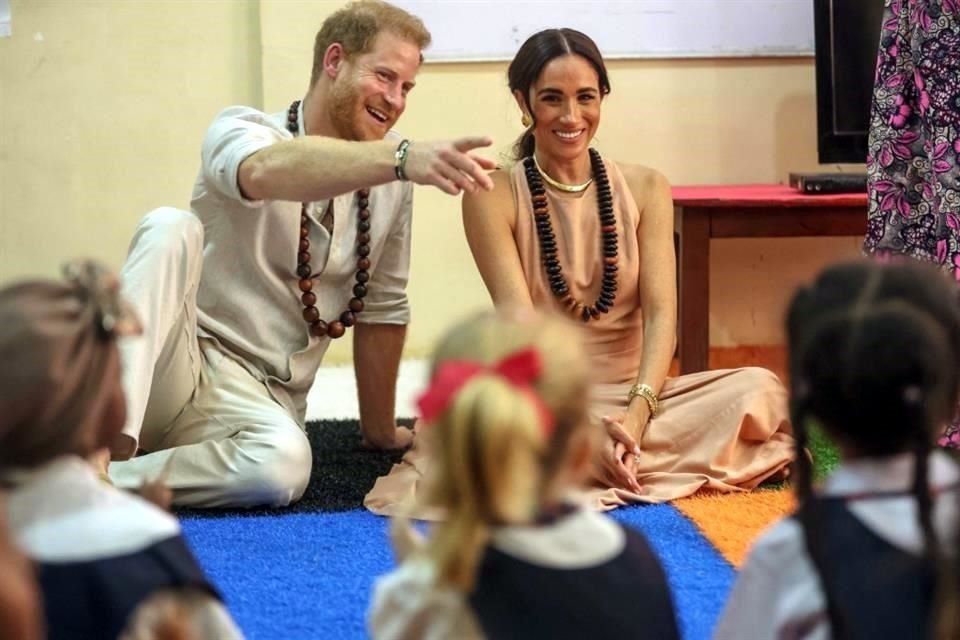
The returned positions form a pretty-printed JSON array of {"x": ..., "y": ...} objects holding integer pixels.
[{"x": 913, "y": 161}]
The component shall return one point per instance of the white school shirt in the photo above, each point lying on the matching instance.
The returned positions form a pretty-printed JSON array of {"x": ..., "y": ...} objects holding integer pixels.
[
  {"x": 64, "y": 512},
  {"x": 407, "y": 604},
  {"x": 777, "y": 595},
  {"x": 249, "y": 300}
]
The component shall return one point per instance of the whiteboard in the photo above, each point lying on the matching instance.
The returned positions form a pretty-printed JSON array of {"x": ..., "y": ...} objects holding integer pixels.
[{"x": 476, "y": 30}]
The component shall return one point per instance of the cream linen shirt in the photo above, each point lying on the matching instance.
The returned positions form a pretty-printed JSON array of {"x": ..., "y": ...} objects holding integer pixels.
[{"x": 248, "y": 300}]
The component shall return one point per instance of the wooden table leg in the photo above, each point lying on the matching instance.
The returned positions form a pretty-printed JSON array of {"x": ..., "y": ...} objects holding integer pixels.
[{"x": 694, "y": 302}]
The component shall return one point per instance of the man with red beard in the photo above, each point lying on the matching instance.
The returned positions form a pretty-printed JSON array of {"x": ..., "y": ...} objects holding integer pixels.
[{"x": 299, "y": 230}]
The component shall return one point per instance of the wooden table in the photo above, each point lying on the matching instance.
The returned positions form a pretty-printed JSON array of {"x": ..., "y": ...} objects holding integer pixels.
[{"x": 743, "y": 211}]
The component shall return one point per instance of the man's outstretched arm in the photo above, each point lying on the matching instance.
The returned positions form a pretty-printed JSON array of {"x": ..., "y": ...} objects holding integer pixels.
[{"x": 316, "y": 168}]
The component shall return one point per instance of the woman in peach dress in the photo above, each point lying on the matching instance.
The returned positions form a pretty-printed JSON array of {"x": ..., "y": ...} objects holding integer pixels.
[{"x": 567, "y": 229}]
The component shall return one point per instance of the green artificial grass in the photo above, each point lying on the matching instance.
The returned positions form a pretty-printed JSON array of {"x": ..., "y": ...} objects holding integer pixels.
[{"x": 826, "y": 457}]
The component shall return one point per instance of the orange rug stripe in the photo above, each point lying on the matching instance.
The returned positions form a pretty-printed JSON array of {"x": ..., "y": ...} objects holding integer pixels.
[{"x": 732, "y": 521}]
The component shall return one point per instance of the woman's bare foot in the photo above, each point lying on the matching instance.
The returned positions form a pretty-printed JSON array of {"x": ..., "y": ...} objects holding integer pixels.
[
  {"x": 100, "y": 460},
  {"x": 784, "y": 473}
]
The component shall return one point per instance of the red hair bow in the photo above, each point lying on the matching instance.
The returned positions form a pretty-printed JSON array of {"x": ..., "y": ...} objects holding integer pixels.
[{"x": 521, "y": 369}]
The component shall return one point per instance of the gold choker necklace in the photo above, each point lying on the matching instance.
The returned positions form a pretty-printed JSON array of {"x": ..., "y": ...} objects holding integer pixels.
[{"x": 569, "y": 188}]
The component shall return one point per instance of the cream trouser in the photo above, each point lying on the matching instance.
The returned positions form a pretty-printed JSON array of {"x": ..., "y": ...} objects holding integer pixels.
[{"x": 208, "y": 426}]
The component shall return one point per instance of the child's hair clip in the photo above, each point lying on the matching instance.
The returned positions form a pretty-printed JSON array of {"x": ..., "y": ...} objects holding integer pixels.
[{"x": 100, "y": 287}]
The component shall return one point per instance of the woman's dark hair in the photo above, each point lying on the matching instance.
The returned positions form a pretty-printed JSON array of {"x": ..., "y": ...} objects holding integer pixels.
[
  {"x": 874, "y": 360},
  {"x": 534, "y": 54}
]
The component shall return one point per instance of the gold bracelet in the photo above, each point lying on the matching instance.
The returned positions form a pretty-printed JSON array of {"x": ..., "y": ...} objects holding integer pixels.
[{"x": 646, "y": 391}]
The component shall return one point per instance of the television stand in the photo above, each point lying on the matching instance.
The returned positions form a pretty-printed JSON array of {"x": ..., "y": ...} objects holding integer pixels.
[{"x": 826, "y": 183}]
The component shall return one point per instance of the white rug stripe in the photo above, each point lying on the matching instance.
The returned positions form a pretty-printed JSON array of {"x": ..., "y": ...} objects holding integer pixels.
[{"x": 334, "y": 392}]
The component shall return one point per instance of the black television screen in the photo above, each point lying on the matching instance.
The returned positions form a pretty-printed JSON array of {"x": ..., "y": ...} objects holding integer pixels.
[{"x": 847, "y": 34}]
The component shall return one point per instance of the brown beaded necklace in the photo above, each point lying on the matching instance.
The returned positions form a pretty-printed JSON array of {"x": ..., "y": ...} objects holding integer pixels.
[
  {"x": 548, "y": 240},
  {"x": 334, "y": 328}
]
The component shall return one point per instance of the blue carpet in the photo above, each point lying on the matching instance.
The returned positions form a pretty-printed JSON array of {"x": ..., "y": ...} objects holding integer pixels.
[
  {"x": 309, "y": 575},
  {"x": 297, "y": 575},
  {"x": 699, "y": 576}
]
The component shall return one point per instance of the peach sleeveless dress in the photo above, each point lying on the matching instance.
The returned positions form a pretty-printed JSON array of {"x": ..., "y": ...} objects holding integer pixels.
[{"x": 726, "y": 430}]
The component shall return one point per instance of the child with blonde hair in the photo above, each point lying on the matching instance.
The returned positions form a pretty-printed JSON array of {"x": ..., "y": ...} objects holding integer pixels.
[
  {"x": 516, "y": 556},
  {"x": 101, "y": 554}
]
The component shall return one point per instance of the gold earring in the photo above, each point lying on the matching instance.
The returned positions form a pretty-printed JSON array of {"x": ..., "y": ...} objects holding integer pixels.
[{"x": 525, "y": 120}]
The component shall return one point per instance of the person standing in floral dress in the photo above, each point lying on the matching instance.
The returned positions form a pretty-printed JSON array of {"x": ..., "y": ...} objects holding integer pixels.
[{"x": 913, "y": 161}]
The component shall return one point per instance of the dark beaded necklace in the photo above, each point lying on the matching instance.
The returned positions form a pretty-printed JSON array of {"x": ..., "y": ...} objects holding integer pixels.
[
  {"x": 334, "y": 328},
  {"x": 548, "y": 240}
]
